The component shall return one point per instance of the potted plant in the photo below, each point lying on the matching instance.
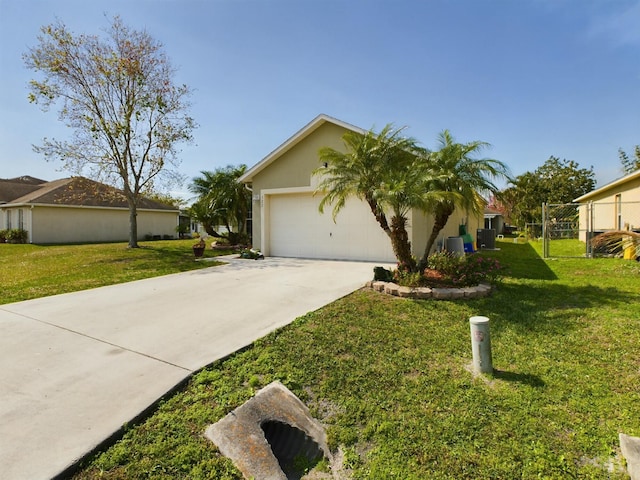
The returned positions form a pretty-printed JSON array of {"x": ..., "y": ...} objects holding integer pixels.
[{"x": 198, "y": 248}]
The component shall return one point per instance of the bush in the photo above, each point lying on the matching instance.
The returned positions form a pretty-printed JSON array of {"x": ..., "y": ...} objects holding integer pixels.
[
  {"x": 17, "y": 235},
  {"x": 477, "y": 269},
  {"x": 382, "y": 274},
  {"x": 447, "y": 269},
  {"x": 3, "y": 235}
]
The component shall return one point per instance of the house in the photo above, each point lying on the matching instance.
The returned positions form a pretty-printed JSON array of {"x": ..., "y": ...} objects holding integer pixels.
[
  {"x": 493, "y": 220},
  {"x": 76, "y": 209},
  {"x": 614, "y": 206},
  {"x": 286, "y": 218}
]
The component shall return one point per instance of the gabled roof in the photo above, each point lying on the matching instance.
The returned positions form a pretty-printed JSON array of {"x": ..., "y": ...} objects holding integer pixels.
[
  {"x": 609, "y": 186},
  {"x": 26, "y": 179},
  {"x": 491, "y": 212},
  {"x": 10, "y": 190},
  {"x": 80, "y": 191},
  {"x": 294, "y": 140}
]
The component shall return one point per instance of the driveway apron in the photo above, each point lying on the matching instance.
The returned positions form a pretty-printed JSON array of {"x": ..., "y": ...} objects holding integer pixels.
[{"x": 75, "y": 367}]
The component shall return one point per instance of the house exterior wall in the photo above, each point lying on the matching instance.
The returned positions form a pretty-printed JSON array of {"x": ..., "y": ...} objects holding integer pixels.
[
  {"x": 291, "y": 172},
  {"x": 293, "y": 169},
  {"x": 53, "y": 224},
  {"x": 611, "y": 209}
]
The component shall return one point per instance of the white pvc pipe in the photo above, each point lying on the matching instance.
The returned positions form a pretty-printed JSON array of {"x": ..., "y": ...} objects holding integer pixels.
[{"x": 481, "y": 344}]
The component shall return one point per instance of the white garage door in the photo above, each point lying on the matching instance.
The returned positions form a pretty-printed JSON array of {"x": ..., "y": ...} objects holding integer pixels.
[{"x": 298, "y": 229}]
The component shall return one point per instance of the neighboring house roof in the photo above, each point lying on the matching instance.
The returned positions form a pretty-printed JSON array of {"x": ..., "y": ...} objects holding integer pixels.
[
  {"x": 294, "y": 140},
  {"x": 74, "y": 191},
  {"x": 10, "y": 190},
  {"x": 489, "y": 213},
  {"x": 25, "y": 179},
  {"x": 609, "y": 186}
]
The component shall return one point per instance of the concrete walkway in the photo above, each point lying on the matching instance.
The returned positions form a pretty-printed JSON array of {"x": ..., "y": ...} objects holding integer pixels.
[{"x": 75, "y": 367}]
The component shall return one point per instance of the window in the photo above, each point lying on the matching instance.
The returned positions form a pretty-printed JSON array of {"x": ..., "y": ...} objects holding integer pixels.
[
  {"x": 618, "y": 219},
  {"x": 20, "y": 219},
  {"x": 8, "y": 219}
]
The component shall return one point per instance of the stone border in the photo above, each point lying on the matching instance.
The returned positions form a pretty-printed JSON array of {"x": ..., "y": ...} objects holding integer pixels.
[{"x": 424, "y": 293}]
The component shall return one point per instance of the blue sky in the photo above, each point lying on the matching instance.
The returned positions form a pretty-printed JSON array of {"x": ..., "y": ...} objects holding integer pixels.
[{"x": 534, "y": 78}]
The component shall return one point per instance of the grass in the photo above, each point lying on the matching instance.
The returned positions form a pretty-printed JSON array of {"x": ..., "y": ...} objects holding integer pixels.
[
  {"x": 389, "y": 379},
  {"x": 32, "y": 271}
]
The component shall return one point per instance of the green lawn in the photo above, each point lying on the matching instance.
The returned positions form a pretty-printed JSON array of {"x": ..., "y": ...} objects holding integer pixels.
[
  {"x": 388, "y": 377},
  {"x": 32, "y": 271}
]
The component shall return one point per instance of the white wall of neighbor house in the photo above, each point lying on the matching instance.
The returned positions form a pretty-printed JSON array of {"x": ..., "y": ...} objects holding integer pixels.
[
  {"x": 57, "y": 224},
  {"x": 15, "y": 217},
  {"x": 616, "y": 208}
]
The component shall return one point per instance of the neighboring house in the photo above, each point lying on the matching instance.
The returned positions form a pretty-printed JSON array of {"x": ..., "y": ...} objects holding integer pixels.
[
  {"x": 76, "y": 209},
  {"x": 286, "y": 219},
  {"x": 615, "y": 206},
  {"x": 493, "y": 220}
]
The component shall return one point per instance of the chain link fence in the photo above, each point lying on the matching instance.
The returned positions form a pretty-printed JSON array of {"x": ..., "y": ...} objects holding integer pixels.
[{"x": 569, "y": 228}]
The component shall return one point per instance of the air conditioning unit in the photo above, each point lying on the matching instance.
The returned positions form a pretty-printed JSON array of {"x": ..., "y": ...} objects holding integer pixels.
[{"x": 486, "y": 238}]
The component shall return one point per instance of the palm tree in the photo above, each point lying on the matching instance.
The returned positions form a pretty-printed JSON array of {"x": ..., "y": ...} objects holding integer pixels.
[
  {"x": 618, "y": 241},
  {"x": 222, "y": 200},
  {"x": 386, "y": 171},
  {"x": 455, "y": 170}
]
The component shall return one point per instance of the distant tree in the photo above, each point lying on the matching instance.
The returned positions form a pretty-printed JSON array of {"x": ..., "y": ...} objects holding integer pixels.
[
  {"x": 629, "y": 165},
  {"x": 167, "y": 199},
  {"x": 117, "y": 95},
  {"x": 556, "y": 181},
  {"x": 222, "y": 200}
]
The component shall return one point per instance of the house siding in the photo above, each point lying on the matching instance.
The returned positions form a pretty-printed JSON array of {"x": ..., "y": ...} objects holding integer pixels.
[
  {"x": 50, "y": 224},
  {"x": 293, "y": 168},
  {"x": 604, "y": 206}
]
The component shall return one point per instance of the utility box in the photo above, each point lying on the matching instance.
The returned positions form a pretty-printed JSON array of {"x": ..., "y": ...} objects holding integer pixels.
[{"x": 486, "y": 238}]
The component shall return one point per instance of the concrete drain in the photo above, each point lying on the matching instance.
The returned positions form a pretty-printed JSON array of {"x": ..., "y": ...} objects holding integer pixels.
[{"x": 268, "y": 435}]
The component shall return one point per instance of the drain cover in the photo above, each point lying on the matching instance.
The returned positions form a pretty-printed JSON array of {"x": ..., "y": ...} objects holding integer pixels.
[{"x": 265, "y": 435}]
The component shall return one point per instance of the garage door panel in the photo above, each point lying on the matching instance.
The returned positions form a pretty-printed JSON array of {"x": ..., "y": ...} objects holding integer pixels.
[{"x": 298, "y": 229}]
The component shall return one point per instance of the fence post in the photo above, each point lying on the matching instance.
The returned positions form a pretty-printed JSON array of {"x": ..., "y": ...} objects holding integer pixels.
[{"x": 545, "y": 240}]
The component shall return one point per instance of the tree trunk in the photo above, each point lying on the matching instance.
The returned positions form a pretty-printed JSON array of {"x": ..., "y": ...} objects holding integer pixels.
[
  {"x": 441, "y": 217},
  {"x": 397, "y": 232},
  {"x": 401, "y": 244},
  {"x": 133, "y": 225}
]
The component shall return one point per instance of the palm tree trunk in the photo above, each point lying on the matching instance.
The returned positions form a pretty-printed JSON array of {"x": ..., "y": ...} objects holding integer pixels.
[
  {"x": 441, "y": 217},
  {"x": 397, "y": 232},
  {"x": 401, "y": 244}
]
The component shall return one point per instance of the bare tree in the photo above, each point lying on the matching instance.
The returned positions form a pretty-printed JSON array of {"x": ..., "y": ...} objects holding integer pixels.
[{"x": 118, "y": 96}]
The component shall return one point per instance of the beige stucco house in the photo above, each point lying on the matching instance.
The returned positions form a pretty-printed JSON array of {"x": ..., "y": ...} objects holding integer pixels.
[
  {"x": 614, "y": 206},
  {"x": 76, "y": 210},
  {"x": 286, "y": 219}
]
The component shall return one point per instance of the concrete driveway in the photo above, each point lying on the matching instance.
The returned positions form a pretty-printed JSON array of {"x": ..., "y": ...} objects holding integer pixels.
[{"x": 75, "y": 367}]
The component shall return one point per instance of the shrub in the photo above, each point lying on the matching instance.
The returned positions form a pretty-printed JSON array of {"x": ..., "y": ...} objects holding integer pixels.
[
  {"x": 17, "y": 235},
  {"x": 3, "y": 236},
  {"x": 477, "y": 269},
  {"x": 382, "y": 274},
  {"x": 445, "y": 268}
]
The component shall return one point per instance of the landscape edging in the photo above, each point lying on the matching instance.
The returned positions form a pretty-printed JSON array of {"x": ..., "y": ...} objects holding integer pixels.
[{"x": 423, "y": 293}]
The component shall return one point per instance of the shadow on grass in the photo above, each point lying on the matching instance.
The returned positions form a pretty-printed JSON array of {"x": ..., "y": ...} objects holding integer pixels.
[
  {"x": 522, "y": 261},
  {"x": 525, "y": 378},
  {"x": 549, "y": 308}
]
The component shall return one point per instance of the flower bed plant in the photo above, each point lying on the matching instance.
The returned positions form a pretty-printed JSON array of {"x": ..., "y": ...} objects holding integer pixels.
[
  {"x": 448, "y": 269},
  {"x": 16, "y": 235}
]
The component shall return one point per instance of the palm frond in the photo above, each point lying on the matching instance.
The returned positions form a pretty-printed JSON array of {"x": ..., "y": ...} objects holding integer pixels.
[{"x": 617, "y": 241}]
